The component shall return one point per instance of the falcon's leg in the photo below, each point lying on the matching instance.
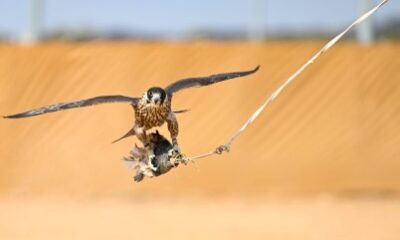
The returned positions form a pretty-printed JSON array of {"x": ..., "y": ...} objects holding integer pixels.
[
  {"x": 173, "y": 129},
  {"x": 140, "y": 132}
]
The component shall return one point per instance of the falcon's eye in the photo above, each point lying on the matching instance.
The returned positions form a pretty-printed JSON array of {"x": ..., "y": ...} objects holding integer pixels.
[{"x": 150, "y": 94}]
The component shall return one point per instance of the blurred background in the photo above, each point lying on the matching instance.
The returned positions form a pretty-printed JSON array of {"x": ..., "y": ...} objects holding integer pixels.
[
  {"x": 48, "y": 20},
  {"x": 322, "y": 162}
]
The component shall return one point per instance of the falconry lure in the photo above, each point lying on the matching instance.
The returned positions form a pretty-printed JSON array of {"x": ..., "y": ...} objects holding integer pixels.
[{"x": 153, "y": 109}]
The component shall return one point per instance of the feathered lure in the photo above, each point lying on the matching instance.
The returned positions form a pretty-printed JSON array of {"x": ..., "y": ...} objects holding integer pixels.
[{"x": 160, "y": 164}]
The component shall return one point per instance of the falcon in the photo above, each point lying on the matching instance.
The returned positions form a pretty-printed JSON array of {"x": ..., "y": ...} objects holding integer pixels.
[{"x": 153, "y": 109}]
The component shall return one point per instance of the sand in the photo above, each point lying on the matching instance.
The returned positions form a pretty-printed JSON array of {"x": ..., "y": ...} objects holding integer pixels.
[{"x": 316, "y": 218}]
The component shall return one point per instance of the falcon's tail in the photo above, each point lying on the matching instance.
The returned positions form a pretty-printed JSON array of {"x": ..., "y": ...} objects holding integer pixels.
[
  {"x": 128, "y": 134},
  {"x": 181, "y": 111}
]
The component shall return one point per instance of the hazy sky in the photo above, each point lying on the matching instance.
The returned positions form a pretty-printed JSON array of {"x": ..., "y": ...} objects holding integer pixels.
[{"x": 179, "y": 16}]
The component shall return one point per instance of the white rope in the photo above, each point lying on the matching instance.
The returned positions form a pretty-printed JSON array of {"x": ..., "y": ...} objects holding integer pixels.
[{"x": 276, "y": 93}]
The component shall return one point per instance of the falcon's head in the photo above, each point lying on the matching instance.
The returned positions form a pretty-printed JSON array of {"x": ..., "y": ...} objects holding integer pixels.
[{"x": 155, "y": 95}]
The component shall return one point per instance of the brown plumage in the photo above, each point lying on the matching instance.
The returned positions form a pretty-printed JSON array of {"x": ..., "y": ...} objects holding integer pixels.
[{"x": 151, "y": 116}]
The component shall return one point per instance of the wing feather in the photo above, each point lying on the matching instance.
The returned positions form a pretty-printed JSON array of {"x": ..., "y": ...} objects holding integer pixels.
[
  {"x": 75, "y": 104},
  {"x": 204, "y": 81}
]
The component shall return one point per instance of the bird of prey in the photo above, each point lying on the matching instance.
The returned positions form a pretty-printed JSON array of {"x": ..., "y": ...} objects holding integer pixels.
[{"x": 153, "y": 109}]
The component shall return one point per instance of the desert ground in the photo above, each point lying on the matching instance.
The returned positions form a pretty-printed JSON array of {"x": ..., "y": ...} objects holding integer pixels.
[
  {"x": 322, "y": 162},
  {"x": 320, "y": 217}
]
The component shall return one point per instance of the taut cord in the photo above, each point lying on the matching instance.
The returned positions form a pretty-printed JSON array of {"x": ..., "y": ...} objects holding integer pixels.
[{"x": 275, "y": 94}]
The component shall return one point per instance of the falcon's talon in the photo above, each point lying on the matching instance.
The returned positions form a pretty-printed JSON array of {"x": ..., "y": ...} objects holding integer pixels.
[
  {"x": 173, "y": 153},
  {"x": 181, "y": 158}
]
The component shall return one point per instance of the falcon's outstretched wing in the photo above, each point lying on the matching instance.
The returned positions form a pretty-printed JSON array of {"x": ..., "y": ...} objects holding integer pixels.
[
  {"x": 75, "y": 104},
  {"x": 204, "y": 81}
]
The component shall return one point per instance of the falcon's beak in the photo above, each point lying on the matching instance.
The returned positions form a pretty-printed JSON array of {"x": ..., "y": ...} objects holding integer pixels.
[{"x": 156, "y": 98}]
